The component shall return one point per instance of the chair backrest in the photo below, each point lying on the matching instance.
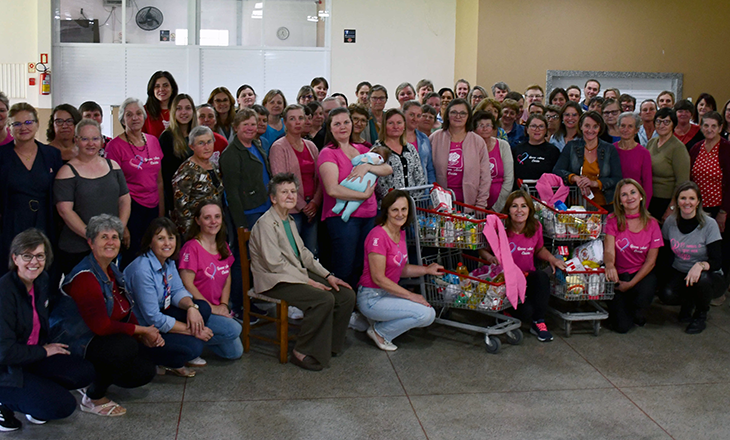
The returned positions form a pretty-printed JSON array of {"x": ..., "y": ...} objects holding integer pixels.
[{"x": 243, "y": 236}]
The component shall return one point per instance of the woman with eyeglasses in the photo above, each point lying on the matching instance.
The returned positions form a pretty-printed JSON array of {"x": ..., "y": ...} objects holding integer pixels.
[
  {"x": 225, "y": 108},
  {"x": 60, "y": 132},
  {"x": 305, "y": 95},
  {"x": 590, "y": 163},
  {"x": 610, "y": 111},
  {"x": 27, "y": 171},
  {"x": 461, "y": 157},
  {"x": 570, "y": 113},
  {"x": 536, "y": 156},
  {"x": 88, "y": 185},
  {"x": 670, "y": 163},
  {"x": 501, "y": 163}
]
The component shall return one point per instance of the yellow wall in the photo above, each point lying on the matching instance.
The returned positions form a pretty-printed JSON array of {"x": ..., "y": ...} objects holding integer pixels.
[
  {"x": 520, "y": 40},
  {"x": 467, "y": 34}
]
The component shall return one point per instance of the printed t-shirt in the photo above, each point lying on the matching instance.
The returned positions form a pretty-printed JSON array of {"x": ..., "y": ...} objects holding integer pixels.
[
  {"x": 368, "y": 207},
  {"x": 632, "y": 247},
  {"x": 690, "y": 248},
  {"x": 496, "y": 168},
  {"x": 523, "y": 248},
  {"x": 141, "y": 166},
  {"x": 396, "y": 255},
  {"x": 532, "y": 161},
  {"x": 211, "y": 273},
  {"x": 455, "y": 170}
]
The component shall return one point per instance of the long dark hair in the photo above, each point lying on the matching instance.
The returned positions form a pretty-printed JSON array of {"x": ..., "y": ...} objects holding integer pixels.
[
  {"x": 220, "y": 237},
  {"x": 154, "y": 110},
  {"x": 157, "y": 225},
  {"x": 531, "y": 224},
  {"x": 328, "y": 137}
]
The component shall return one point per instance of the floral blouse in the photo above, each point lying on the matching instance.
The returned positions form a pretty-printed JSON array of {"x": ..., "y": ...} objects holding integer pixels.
[
  {"x": 192, "y": 184},
  {"x": 407, "y": 171}
]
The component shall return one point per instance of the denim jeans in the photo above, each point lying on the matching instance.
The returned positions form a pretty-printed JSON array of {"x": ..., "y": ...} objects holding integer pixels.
[
  {"x": 308, "y": 232},
  {"x": 393, "y": 315},
  {"x": 347, "y": 239},
  {"x": 226, "y": 340}
]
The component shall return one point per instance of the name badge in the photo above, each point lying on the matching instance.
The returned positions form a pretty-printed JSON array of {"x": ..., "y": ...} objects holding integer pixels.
[{"x": 168, "y": 300}]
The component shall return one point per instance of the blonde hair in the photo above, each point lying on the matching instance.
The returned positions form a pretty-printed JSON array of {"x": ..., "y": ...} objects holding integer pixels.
[{"x": 179, "y": 144}]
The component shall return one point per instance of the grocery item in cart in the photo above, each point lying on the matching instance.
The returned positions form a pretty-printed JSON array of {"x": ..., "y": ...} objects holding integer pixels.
[
  {"x": 590, "y": 251},
  {"x": 441, "y": 199},
  {"x": 575, "y": 284}
]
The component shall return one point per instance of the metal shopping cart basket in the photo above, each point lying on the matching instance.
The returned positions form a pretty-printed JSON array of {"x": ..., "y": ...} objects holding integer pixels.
[
  {"x": 588, "y": 286},
  {"x": 467, "y": 235}
]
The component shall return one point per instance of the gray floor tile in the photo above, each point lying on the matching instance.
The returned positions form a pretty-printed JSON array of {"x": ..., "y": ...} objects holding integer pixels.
[
  {"x": 143, "y": 421},
  {"x": 587, "y": 414},
  {"x": 445, "y": 360},
  {"x": 362, "y": 370},
  {"x": 320, "y": 419},
  {"x": 687, "y": 411}
]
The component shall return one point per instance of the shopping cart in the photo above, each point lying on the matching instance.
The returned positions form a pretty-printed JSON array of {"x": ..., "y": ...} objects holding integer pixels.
[
  {"x": 588, "y": 286},
  {"x": 433, "y": 229}
]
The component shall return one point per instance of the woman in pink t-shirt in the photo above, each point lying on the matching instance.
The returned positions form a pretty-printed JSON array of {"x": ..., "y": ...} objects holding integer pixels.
[
  {"x": 334, "y": 165},
  {"x": 630, "y": 249},
  {"x": 205, "y": 271},
  {"x": 524, "y": 234},
  {"x": 392, "y": 309},
  {"x": 140, "y": 157}
]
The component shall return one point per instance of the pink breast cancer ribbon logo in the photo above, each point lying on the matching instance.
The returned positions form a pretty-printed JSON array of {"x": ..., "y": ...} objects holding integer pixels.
[
  {"x": 210, "y": 271},
  {"x": 622, "y": 244},
  {"x": 137, "y": 161}
]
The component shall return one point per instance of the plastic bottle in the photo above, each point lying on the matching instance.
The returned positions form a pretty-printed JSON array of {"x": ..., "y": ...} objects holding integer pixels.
[
  {"x": 560, "y": 206},
  {"x": 460, "y": 232},
  {"x": 448, "y": 232},
  {"x": 463, "y": 273}
]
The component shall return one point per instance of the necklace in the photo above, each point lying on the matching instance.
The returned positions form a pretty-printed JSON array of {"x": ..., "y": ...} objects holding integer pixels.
[
  {"x": 28, "y": 157},
  {"x": 591, "y": 149}
]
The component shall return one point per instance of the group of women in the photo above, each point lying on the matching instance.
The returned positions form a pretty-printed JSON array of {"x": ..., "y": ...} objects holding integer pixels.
[{"x": 137, "y": 299}]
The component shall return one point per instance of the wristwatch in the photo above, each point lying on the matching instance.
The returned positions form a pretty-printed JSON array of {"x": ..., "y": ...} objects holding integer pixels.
[
  {"x": 330, "y": 275},
  {"x": 194, "y": 306}
]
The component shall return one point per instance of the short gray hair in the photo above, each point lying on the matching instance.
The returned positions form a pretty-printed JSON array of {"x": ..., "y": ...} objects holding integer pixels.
[
  {"x": 26, "y": 241},
  {"x": 280, "y": 178},
  {"x": 200, "y": 130},
  {"x": 125, "y": 104},
  {"x": 84, "y": 123},
  {"x": 103, "y": 222},
  {"x": 634, "y": 116},
  {"x": 501, "y": 86}
]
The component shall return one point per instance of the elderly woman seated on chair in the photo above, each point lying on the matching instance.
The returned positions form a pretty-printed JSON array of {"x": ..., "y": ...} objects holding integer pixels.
[{"x": 284, "y": 268}]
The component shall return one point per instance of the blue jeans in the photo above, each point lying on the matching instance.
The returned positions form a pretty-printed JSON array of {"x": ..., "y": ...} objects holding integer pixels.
[
  {"x": 226, "y": 340},
  {"x": 393, "y": 315},
  {"x": 308, "y": 231},
  {"x": 347, "y": 240}
]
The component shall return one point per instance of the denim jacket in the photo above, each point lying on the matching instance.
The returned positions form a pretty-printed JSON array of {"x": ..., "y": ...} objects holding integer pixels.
[
  {"x": 67, "y": 325},
  {"x": 609, "y": 164},
  {"x": 424, "y": 150}
]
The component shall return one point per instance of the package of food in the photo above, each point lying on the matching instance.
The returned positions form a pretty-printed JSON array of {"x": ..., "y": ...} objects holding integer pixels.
[
  {"x": 575, "y": 284},
  {"x": 441, "y": 199},
  {"x": 574, "y": 265},
  {"x": 590, "y": 251}
]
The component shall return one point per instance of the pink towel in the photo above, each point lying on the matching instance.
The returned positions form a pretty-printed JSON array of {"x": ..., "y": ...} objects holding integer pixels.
[
  {"x": 515, "y": 282},
  {"x": 545, "y": 185}
]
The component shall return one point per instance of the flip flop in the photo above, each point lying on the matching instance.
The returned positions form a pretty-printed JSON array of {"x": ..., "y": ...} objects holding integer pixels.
[
  {"x": 104, "y": 410},
  {"x": 181, "y": 372}
]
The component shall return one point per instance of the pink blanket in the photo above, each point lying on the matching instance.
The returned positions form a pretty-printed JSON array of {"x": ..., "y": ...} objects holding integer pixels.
[
  {"x": 545, "y": 185},
  {"x": 515, "y": 282}
]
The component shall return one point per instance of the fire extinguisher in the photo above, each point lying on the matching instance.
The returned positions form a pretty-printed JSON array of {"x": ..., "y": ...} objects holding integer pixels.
[{"x": 45, "y": 86}]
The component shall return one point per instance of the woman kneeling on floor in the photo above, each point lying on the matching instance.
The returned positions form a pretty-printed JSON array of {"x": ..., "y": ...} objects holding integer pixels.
[
  {"x": 524, "y": 234},
  {"x": 392, "y": 309},
  {"x": 284, "y": 268},
  {"x": 35, "y": 375},
  {"x": 696, "y": 276},
  {"x": 630, "y": 249},
  {"x": 96, "y": 320},
  {"x": 162, "y": 300}
]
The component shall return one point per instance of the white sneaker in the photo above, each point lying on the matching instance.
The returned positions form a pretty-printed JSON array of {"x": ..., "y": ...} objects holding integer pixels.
[
  {"x": 35, "y": 421},
  {"x": 358, "y": 322},
  {"x": 197, "y": 362},
  {"x": 295, "y": 313}
]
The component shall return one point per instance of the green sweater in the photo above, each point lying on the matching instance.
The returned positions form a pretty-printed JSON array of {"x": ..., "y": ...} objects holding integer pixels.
[
  {"x": 670, "y": 166},
  {"x": 243, "y": 179}
]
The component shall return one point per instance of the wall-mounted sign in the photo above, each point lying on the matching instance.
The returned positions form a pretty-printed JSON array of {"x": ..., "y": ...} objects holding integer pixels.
[{"x": 349, "y": 35}]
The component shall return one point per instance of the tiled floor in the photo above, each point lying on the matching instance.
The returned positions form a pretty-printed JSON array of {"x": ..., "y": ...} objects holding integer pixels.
[{"x": 653, "y": 383}]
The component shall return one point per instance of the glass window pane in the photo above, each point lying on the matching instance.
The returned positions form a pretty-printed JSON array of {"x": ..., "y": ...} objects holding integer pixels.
[
  {"x": 291, "y": 23},
  {"x": 230, "y": 22}
]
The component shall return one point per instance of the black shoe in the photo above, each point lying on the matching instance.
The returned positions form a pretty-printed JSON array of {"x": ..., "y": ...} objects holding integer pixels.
[
  {"x": 258, "y": 310},
  {"x": 698, "y": 324},
  {"x": 308, "y": 363},
  {"x": 8, "y": 422},
  {"x": 685, "y": 315}
]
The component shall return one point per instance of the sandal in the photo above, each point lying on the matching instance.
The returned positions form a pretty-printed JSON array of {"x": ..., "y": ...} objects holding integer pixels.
[
  {"x": 109, "y": 409},
  {"x": 181, "y": 372}
]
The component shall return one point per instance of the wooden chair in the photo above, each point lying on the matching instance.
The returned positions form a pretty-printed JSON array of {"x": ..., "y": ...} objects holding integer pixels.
[{"x": 281, "y": 320}]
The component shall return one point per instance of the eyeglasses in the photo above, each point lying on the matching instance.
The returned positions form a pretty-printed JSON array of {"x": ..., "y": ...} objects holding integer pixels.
[
  {"x": 536, "y": 127},
  {"x": 93, "y": 139},
  {"x": 61, "y": 122},
  {"x": 19, "y": 123},
  {"x": 536, "y": 96},
  {"x": 660, "y": 122},
  {"x": 552, "y": 117},
  {"x": 485, "y": 126},
  {"x": 377, "y": 98},
  {"x": 29, "y": 257},
  {"x": 455, "y": 114},
  {"x": 308, "y": 97},
  {"x": 611, "y": 113},
  {"x": 202, "y": 143}
]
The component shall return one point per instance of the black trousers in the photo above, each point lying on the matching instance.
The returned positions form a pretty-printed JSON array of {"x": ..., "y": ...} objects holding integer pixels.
[
  {"x": 118, "y": 360},
  {"x": 697, "y": 296},
  {"x": 626, "y": 307},
  {"x": 536, "y": 297},
  {"x": 44, "y": 393}
]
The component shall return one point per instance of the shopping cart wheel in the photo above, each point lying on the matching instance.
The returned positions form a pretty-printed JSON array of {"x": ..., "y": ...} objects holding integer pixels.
[
  {"x": 514, "y": 337},
  {"x": 596, "y": 327},
  {"x": 568, "y": 326},
  {"x": 493, "y": 344}
]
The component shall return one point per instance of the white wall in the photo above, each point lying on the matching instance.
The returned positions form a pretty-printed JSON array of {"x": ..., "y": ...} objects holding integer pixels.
[{"x": 397, "y": 41}]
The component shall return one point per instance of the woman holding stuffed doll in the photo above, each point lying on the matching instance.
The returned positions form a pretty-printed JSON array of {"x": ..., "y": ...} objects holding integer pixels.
[{"x": 403, "y": 158}]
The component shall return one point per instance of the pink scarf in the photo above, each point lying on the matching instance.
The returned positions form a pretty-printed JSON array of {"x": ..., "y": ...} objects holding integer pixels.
[
  {"x": 515, "y": 282},
  {"x": 545, "y": 185}
]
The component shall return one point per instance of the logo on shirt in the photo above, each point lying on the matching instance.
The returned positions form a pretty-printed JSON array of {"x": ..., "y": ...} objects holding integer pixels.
[
  {"x": 186, "y": 257},
  {"x": 210, "y": 271},
  {"x": 622, "y": 244},
  {"x": 399, "y": 258},
  {"x": 493, "y": 166},
  {"x": 512, "y": 247},
  {"x": 375, "y": 241}
]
